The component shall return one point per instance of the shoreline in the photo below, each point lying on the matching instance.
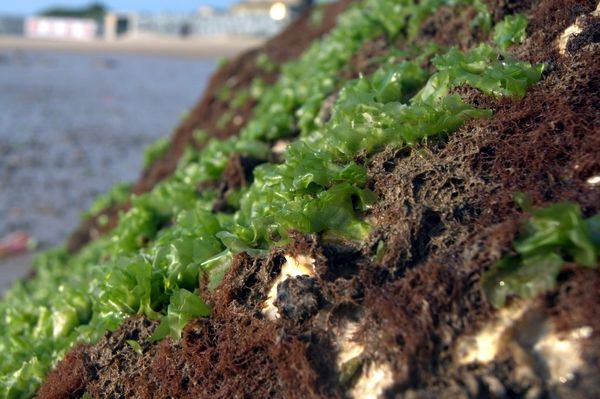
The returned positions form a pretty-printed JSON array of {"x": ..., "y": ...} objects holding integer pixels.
[{"x": 141, "y": 45}]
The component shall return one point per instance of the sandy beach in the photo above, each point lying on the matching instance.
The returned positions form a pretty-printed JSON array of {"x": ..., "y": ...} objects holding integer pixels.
[
  {"x": 140, "y": 44},
  {"x": 76, "y": 118}
]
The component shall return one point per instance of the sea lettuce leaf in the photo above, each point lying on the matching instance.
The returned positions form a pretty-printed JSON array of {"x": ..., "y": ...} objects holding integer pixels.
[
  {"x": 512, "y": 30},
  {"x": 549, "y": 238},
  {"x": 184, "y": 307}
]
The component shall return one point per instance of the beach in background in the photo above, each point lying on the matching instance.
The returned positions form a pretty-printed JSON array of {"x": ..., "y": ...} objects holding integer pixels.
[
  {"x": 148, "y": 44},
  {"x": 75, "y": 121}
]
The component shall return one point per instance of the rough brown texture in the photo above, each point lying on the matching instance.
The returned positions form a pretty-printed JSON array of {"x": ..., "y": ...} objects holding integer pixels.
[
  {"x": 445, "y": 215},
  {"x": 237, "y": 174},
  {"x": 451, "y": 26},
  {"x": 69, "y": 379}
]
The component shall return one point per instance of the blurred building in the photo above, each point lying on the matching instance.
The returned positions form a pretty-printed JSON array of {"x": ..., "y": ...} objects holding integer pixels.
[
  {"x": 246, "y": 18},
  {"x": 115, "y": 25},
  {"x": 61, "y": 28},
  {"x": 216, "y": 24},
  {"x": 256, "y": 18},
  {"x": 263, "y": 6}
]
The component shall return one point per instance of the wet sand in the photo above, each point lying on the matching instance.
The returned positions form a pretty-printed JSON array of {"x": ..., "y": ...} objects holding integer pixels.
[{"x": 140, "y": 44}]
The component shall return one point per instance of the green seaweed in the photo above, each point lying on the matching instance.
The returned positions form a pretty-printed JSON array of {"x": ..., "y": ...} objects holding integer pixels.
[
  {"x": 170, "y": 240},
  {"x": 484, "y": 68},
  {"x": 184, "y": 307},
  {"x": 155, "y": 151},
  {"x": 510, "y": 31},
  {"x": 548, "y": 239},
  {"x": 264, "y": 63},
  {"x": 240, "y": 99},
  {"x": 118, "y": 194}
]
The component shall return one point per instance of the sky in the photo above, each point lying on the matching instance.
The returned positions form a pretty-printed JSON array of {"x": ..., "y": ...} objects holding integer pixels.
[{"x": 32, "y": 6}]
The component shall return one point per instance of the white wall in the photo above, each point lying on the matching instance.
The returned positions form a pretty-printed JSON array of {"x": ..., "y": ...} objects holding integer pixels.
[{"x": 61, "y": 28}]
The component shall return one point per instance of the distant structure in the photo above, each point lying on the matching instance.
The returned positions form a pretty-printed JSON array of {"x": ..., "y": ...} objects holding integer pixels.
[
  {"x": 256, "y": 18},
  {"x": 247, "y": 18},
  {"x": 115, "y": 25},
  {"x": 61, "y": 28},
  {"x": 276, "y": 9}
]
